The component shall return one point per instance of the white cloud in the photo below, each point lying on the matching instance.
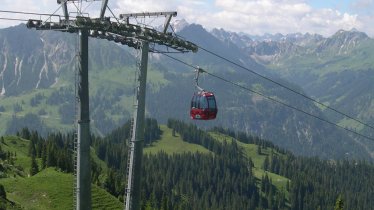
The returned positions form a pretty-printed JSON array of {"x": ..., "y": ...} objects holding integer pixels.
[
  {"x": 273, "y": 16},
  {"x": 250, "y": 16}
]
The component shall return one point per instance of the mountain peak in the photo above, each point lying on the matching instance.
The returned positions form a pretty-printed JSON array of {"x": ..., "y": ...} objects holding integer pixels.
[
  {"x": 351, "y": 34},
  {"x": 240, "y": 39},
  {"x": 179, "y": 25},
  {"x": 354, "y": 30}
]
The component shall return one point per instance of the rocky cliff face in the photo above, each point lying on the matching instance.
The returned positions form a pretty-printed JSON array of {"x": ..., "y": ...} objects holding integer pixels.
[
  {"x": 30, "y": 59},
  {"x": 270, "y": 48}
]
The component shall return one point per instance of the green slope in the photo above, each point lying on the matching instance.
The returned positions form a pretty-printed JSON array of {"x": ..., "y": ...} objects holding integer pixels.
[
  {"x": 19, "y": 147},
  {"x": 48, "y": 189},
  {"x": 51, "y": 189},
  {"x": 51, "y": 117},
  {"x": 112, "y": 85},
  {"x": 250, "y": 150},
  {"x": 173, "y": 144}
]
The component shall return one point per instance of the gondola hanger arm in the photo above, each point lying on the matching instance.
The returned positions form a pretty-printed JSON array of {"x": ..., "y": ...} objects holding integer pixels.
[{"x": 198, "y": 70}]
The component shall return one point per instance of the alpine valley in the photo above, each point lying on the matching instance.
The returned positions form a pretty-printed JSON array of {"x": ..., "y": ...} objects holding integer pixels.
[{"x": 38, "y": 74}]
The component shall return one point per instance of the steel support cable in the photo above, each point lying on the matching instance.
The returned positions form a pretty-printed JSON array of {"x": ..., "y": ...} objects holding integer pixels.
[
  {"x": 54, "y": 13},
  {"x": 288, "y": 88},
  {"x": 13, "y": 19},
  {"x": 87, "y": 6},
  {"x": 31, "y": 13},
  {"x": 115, "y": 17},
  {"x": 27, "y": 13},
  {"x": 77, "y": 7},
  {"x": 274, "y": 100}
]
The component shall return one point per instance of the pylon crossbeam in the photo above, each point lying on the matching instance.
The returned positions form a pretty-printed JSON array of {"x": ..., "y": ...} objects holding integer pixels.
[
  {"x": 119, "y": 32},
  {"x": 147, "y": 14}
]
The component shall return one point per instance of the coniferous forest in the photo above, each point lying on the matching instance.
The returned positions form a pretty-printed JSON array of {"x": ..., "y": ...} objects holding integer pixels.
[{"x": 221, "y": 179}]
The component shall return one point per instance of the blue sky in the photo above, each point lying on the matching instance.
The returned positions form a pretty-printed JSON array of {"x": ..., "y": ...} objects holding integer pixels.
[
  {"x": 342, "y": 5},
  {"x": 250, "y": 16}
]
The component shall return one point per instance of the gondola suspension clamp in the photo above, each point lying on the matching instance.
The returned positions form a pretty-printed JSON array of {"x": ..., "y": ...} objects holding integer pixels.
[{"x": 198, "y": 70}]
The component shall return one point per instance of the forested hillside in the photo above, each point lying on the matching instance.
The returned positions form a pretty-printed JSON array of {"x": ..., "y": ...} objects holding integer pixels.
[
  {"x": 39, "y": 74},
  {"x": 238, "y": 171}
]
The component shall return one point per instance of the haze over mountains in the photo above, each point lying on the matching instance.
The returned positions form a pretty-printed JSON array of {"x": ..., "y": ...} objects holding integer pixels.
[
  {"x": 336, "y": 70},
  {"x": 37, "y": 76}
]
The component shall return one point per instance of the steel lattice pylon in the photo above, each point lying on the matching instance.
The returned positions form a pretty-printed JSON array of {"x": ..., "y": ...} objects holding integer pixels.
[{"x": 125, "y": 33}]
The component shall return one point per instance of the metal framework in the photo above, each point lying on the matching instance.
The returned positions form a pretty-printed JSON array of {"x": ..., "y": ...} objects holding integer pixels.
[
  {"x": 121, "y": 32},
  {"x": 135, "y": 154}
]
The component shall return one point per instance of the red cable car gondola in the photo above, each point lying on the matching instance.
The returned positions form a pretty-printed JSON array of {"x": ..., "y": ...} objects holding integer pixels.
[
  {"x": 203, "y": 106},
  {"x": 203, "y": 103}
]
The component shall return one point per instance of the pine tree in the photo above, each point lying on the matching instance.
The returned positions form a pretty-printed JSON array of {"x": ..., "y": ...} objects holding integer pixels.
[
  {"x": 173, "y": 132},
  {"x": 10, "y": 158},
  {"x": 25, "y": 133},
  {"x": 339, "y": 204},
  {"x": 51, "y": 155},
  {"x": 288, "y": 185},
  {"x": 164, "y": 203},
  {"x": 34, "y": 166},
  {"x": 259, "y": 152},
  {"x": 2, "y": 192},
  {"x": 32, "y": 150},
  {"x": 148, "y": 206},
  {"x": 110, "y": 182},
  {"x": 44, "y": 156},
  {"x": 266, "y": 164}
]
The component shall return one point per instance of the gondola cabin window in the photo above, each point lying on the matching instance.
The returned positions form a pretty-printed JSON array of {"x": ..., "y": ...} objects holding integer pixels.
[{"x": 203, "y": 106}]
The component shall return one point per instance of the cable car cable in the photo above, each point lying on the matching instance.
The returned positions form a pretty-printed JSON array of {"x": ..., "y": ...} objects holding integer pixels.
[
  {"x": 286, "y": 87},
  {"x": 275, "y": 100},
  {"x": 27, "y": 13},
  {"x": 13, "y": 19}
]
